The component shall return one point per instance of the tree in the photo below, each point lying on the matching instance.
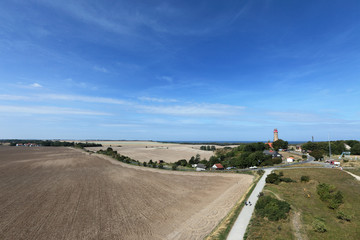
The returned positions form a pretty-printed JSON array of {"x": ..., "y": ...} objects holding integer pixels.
[
  {"x": 280, "y": 144},
  {"x": 272, "y": 178},
  {"x": 310, "y": 146},
  {"x": 355, "y": 149},
  {"x": 317, "y": 154}
]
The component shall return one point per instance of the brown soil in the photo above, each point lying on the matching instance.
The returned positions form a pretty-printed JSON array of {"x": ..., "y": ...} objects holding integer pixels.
[
  {"x": 60, "y": 193},
  {"x": 144, "y": 151}
]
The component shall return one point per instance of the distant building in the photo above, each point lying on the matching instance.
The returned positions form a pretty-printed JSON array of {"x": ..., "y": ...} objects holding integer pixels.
[
  {"x": 218, "y": 166},
  {"x": 200, "y": 167},
  {"x": 298, "y": 148},
  {"x": 270, "y": 144},
  {"x": 290, "y": 159},
  {"x": 273, "y": 154},
  {"x": 276, "y": 136}
]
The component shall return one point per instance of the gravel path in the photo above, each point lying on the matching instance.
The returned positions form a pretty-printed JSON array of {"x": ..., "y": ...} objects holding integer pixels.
[{"x": 238, "y": 230}]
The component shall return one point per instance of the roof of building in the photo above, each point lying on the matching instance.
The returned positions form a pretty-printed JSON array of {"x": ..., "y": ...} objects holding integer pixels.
[
  {"x": 200, "y": 165},
  {"x": 218, "y": 165},
  {"x": 270, "y": 144}
]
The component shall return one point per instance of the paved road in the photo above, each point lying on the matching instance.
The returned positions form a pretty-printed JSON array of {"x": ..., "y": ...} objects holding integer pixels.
[{"x": 238, "y": 230}]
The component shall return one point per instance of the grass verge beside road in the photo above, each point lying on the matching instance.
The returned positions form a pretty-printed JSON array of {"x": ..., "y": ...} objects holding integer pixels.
[
  {"x": 223, "y": 228},
  {"x": 304, "y": 200}
]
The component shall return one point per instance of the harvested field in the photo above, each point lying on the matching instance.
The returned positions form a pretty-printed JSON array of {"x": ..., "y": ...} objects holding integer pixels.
[
  {"x": 144, "y": 151},
  {"x": 62, "y": 193}
]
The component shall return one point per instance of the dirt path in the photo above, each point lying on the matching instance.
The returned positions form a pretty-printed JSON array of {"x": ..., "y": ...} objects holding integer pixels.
[
  {"x": 297, "y": 226},
  {"x": 355, "y": 176}
]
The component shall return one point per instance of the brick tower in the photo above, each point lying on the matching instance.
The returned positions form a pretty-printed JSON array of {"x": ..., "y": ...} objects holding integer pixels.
[{"x": 276, "y": 137}]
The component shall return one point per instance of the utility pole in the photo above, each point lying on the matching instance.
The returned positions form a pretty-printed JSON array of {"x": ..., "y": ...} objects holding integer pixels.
[{"x": 329, "y": 146}]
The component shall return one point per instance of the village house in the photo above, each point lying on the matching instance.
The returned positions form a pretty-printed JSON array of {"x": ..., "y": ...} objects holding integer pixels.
[
  {"x": 200, "y": 167},
  {"x": 273, "y": 154},
  {"x": 218, "y": 166}
]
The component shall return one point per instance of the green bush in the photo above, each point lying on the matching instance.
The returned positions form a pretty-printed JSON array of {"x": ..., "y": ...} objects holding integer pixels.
[
  {"x": 144, "y": 164},
  {"x": 272, "y": 178},
  {"x": 161, "y": 166},
  {"x": 276, "y": 160},
  {"x": 343, "y": 216},
  {"x": 336, "y": 200},
  {"x": 286, "y": 180},
  {"x": 272, "y": 208},
  {"x": 281, "y": 173},
  {"x": 305, "y": 178},
  {"x": 267, "y": 162},
  {"x": 327, "y": 194},
  {"x": 260, "y": 172},
  {"x": 174, "y": 167},
  {"x": 319, "y": 226}
]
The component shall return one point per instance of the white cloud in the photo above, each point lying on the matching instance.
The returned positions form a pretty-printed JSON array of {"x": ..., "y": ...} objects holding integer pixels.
[
  {"x": 13, "y": 97},
  {"x": 83, "y": 98},
  {"x": 166, "y": 78},
  {"x": 120, "y": 125},
  {"x": 194, "y": 110},
  {"x": 47, "y": 110},
  {"x": 35, "y": 85},
  {"x": 101, "y": 69},
  {"x": 29, "y": 86},
  {"x": 160, "y": 100}
]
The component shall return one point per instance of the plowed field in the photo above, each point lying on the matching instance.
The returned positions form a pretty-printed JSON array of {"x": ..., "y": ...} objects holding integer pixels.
[{"x": 62, "y": 193}]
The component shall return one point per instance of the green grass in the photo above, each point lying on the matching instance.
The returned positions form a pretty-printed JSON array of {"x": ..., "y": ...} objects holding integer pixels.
[
  {"x": 355, "y": 171},
  {"x": 296, "y": 194}
]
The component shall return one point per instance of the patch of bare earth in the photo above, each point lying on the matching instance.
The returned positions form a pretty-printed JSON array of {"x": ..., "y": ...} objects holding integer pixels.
[
  {"x": 59, "y": 193},
  {"x": 297, "y": 226},
  {"x": 144, "y": 151}
]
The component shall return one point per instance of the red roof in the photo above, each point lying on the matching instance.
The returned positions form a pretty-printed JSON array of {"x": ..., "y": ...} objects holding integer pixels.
[
  {"x": 270, "y": 144},
  {"x": 218, "y": 165}
]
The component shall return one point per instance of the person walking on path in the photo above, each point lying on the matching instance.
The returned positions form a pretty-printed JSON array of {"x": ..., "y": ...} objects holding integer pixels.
[{"x": 238, "y": 230}]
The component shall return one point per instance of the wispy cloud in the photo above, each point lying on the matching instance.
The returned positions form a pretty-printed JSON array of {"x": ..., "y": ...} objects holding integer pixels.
[
  {"x": 83, "y": 98},
  {"x": 165, "y": 78},
  {"x": 35, "y": 85},
  {"x": 159, "y": 100},
  {"x": 29, "y": 86},
  {"x": 121, "y": 125},
  {"x": 13, "y": 97},
  {"x": 101, "y": 69},
  {"x": 79, "y": 84},
  {"x": 194, "y": 110},
  {"x": 48, "y": 110}
]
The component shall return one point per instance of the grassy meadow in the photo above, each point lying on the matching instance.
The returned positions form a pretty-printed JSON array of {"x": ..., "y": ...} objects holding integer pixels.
[{"x": 307, "y": 208}]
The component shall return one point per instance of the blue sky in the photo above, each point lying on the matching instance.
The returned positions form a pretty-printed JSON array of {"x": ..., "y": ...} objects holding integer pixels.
[{"x": 180, "y": 70}]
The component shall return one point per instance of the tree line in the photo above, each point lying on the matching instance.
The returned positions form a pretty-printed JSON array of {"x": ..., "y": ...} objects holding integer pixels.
[
  {"x": 208, "y": 148},
  {"x": 50, "y": 143},
  {"x": 319, "y": 149}
]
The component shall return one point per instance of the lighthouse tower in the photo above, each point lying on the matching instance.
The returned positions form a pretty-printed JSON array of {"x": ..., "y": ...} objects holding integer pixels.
[{"x": 276, "y": 137}]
